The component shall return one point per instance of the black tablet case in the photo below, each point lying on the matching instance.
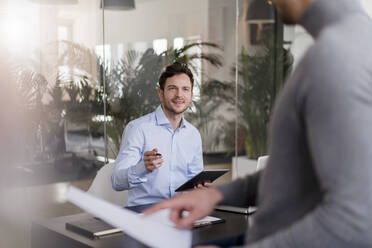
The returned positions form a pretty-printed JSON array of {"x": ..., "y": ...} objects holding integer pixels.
[{"x": 204, "y": 176}]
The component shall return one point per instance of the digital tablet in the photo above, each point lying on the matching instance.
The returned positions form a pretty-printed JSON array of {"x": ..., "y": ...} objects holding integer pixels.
[{"x": 202, "y": 177}]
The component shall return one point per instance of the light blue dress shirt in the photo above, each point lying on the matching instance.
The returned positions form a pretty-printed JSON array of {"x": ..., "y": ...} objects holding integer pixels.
[{"x": 181, "y": 152}]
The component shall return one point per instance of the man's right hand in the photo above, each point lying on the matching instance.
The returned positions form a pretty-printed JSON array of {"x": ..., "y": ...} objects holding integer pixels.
[
  {"x": 199, "y": 203},
  {"x": 151, "y": 160}
]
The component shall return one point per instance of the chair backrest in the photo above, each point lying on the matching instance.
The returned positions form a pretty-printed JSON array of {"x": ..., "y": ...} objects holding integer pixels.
[
  {"x": 261, "y": 162},
  {"x": 101, "y": 187}
]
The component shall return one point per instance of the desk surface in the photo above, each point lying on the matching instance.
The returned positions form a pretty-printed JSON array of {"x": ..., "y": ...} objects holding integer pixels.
[{"x": 52, "y": 233}]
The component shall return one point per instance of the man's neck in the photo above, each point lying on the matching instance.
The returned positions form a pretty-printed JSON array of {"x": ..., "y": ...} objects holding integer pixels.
[{"x": 174, "y": 119}]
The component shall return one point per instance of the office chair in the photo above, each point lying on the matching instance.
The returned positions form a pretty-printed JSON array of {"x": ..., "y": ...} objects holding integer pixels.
[{"x": 101, "y": 187}]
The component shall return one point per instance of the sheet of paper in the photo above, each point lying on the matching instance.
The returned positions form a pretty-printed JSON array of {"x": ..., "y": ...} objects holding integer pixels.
[
  {"x": 147, "y": 230},
  {"x": 162, "y": 216}
]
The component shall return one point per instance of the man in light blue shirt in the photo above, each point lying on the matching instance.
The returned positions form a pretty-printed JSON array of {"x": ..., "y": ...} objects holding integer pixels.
[{"x": 161, "y": 150}]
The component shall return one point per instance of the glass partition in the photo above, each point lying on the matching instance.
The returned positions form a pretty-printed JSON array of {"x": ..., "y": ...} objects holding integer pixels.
[
  {"x": 51, "y": 52},
  {"x": 84, "y": 72},
  {"x": 263, "y": 62},
  {"x": 141, "y": 41},
  {"x": 52, "y": 116},
  {"x": 75, "y": 72}
]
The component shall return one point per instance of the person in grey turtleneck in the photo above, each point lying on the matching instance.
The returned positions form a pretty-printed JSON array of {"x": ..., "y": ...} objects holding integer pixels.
[{"x": 316, "y": 190}]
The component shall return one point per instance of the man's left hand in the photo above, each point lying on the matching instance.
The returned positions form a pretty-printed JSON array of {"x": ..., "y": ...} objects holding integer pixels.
[
  {"x": 199, "y": 203},
  {"x": 203, "y": 185}
]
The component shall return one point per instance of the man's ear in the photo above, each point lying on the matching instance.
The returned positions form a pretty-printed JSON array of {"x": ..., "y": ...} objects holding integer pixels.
[{"x": 161, "y": 94}]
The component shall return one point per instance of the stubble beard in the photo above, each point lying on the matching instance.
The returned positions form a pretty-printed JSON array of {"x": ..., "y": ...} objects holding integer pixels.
[{"x": 170, "y": 109}]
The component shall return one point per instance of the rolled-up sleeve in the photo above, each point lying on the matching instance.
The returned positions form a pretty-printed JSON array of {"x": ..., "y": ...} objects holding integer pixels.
[
  {"x": 247, "y": 188},
  {"x": 130, "y": 170}
]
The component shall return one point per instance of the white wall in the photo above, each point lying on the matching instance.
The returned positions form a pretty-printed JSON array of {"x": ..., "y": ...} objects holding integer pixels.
[{"x": 157, "y": 19}]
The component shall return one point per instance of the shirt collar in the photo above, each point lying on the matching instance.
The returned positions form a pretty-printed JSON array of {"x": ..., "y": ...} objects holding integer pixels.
[
  {"x": 162, "y": 119},
  {"x": 322, "y": 13}
]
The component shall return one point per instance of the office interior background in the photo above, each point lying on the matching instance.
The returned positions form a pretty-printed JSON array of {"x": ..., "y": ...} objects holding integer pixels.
[{"x": 73, "y": 73}]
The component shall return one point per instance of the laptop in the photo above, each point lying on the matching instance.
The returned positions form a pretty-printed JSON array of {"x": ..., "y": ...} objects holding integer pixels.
[
  {"x": 239, "y": 210},
  {"x": 261, "y": 163}
]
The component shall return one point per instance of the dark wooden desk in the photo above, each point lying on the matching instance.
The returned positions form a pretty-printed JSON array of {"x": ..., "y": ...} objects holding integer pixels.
[{"x": 52, "y": 233}]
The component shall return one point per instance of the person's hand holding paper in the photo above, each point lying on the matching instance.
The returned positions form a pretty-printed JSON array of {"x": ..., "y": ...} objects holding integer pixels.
[
  {"x": 199, "y": 203},
  {"x": 131, "y": 223}
]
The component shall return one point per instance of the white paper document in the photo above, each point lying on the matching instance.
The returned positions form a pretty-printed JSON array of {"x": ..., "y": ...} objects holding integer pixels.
[
  {"x": 147, "y": 229},
  {"x": 162, "y": 216}
]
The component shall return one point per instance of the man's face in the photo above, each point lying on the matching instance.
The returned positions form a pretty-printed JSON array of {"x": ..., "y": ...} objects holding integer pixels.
[{"x": 177, "y": 94}]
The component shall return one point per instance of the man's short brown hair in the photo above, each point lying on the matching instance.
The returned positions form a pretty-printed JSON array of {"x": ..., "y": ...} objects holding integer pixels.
[{"x": 175, "y": 69}]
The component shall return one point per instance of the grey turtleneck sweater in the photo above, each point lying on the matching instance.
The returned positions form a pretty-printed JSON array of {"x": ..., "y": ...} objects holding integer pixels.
[{"x": 316, "y": 190}]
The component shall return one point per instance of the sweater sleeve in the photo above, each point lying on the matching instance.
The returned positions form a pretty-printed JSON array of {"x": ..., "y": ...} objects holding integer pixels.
[
  {"x": 337, "y": 115},
  {"x": 241, "y": 192}
]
